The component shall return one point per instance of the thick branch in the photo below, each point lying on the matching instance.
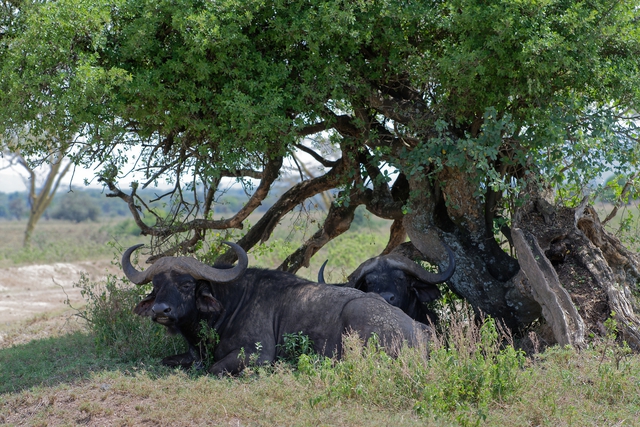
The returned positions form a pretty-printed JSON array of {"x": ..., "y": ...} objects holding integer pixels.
[
  {"x": 262, "y": 230},
  {"x": 557, "y": 307},
  {"x": 324, "y": 162},
  {"x": 623, "y": 195},
  {"x": 338, "y": 221},
  {"x": 397, "y": 236}
]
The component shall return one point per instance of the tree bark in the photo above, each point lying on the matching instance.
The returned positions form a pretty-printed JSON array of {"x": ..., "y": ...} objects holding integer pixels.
[
  {"x": 487, "y": 277},
  {"x": 593, "y": 278}
]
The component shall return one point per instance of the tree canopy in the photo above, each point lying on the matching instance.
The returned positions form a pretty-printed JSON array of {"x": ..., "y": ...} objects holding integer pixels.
[{"x": 479, "y": 108}]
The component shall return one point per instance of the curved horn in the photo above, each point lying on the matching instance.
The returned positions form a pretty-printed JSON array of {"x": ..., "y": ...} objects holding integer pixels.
[
  {"x": 135, "y": 276},
  {"x": 364, "y": 269},
  {"x": 406, "y": 265},
  {"x": 223, "y": 275},
  {"x": 321, "y": 273},
  {"x": 188, "y": 265}
]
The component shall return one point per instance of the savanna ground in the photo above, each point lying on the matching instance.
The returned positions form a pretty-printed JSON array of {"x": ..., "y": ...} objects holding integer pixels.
[{"x": 56, "y": 369}]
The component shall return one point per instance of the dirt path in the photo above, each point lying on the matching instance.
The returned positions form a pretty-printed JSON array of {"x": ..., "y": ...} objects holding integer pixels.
[{"x": 41, "y": 290}]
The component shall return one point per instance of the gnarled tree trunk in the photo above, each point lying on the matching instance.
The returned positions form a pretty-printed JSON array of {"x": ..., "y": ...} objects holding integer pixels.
[
  {"x": 487, "y": 277},
  {"x": 578, "y": 272},
  {"x": 568, "y": 270}
]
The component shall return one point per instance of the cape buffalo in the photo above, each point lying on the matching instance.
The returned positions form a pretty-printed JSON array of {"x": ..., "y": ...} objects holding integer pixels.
[
  {"x": 401, "y": 282},
  {"x": 246, "y": 306}
]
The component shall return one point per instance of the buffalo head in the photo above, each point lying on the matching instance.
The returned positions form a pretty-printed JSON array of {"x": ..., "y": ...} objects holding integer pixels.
[
  {"x": 181, "y": 297},
  {"x": 401, "y": 282}
]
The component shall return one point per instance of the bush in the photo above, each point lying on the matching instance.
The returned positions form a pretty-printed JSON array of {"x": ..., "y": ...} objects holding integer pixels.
[
  {"x": 118, "y": 331},
  {"x": 77, "y": 206},
  {"x": 126, "y": 227},
  {"x": 466, "y": 369}
]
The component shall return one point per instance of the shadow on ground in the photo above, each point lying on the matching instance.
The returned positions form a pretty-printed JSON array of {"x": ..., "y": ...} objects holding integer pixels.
[{"x": 51, "y": 361}]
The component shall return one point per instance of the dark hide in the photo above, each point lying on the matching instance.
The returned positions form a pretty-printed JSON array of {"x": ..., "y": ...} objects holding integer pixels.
[
  {"x": 401, "y": 282},
  {"x": 262, "y": 306},
  {"x": 401, "y": 290}
]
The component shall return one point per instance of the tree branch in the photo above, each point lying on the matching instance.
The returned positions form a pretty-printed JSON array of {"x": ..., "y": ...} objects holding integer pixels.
[
  {"x": 338, "y": 221},
  {"x": 262, "y": 230},
  {"x": 324, "y": 162}
]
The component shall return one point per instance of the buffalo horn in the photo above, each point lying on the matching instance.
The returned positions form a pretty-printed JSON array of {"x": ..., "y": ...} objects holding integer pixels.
[
  {"x": 186, "y": 265},
  {"x": 321, "y": 273},
  {"x": 407, "y": 266}
]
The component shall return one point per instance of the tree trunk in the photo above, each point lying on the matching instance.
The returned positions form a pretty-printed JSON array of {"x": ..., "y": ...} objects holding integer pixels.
[
  {"x": 488, "y": 278},
  {"x": 40, "y": 199},
  {"x": 569, "y": 271},
  {"x": 579, "y": 273}
]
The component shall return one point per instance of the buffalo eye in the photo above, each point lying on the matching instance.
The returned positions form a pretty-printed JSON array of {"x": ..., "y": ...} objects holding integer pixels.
[{"x": 186, "y": 286}]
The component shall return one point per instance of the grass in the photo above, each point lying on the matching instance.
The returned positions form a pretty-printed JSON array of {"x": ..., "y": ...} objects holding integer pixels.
[
  {"x": 65, "y": 380},
  {"x": 107, "y": 372},
  {"x": 63, "y": 241}
]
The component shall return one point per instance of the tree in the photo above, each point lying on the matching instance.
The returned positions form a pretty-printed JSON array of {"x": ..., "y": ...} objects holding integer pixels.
[
  {"x": 76, "y": 206},
  {"x": 41, "y": 124},
  {"x": 17, "y": 206},
  {"x": 497, "y": 117},
  {"x": 41, "y": 187}
]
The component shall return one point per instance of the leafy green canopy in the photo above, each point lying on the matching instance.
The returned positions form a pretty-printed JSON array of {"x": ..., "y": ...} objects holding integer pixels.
[{"x": 501, "y": 88}]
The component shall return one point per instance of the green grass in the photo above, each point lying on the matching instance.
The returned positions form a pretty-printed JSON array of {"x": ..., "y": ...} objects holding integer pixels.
[
  {"x": 50, "y": 361},
  {"x": 64, "y": 241},
  {"x": 470, "y": 379},
  {"x": 108, "y": 373}
]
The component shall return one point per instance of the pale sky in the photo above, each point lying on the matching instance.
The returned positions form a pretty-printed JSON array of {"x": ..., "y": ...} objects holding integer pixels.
[{"x": 12, "y": 179}]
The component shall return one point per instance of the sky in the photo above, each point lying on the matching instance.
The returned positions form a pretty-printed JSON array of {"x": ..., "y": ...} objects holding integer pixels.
[{"x": 13, "y": 179}]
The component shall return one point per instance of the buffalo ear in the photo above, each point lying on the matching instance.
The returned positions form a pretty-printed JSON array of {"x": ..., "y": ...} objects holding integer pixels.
[
  {"x": 428, "y": 293},
  {"x": 144, "y": 307},
  {"x": 206, "y": 303},
  {"x": 362, "y": 285}
]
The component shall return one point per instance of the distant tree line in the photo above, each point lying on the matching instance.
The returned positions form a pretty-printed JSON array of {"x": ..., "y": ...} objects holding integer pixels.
[{"x": 82, "y": 204}]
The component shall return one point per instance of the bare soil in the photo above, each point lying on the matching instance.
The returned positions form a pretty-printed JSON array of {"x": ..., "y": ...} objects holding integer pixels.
[{"x": 43, "y": 294}]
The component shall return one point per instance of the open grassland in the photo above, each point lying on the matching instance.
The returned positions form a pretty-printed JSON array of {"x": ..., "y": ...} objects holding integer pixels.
[
  {"x": 65, "y": 380},
  {"x": 625, "y": 225},
  {"x": 102, "y": 367},
  {"x": 64, "y": 241}
]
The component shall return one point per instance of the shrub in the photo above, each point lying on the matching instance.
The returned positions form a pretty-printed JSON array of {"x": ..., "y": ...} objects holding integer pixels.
[
  {"x": 118, "y": 331},
  {"x": 467, "y": 368}
]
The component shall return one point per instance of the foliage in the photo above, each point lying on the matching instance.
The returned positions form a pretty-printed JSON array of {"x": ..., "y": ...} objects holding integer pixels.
[
  {"x": 201, "y": 88},
  {"x": 444, "y": 117},
  {"x": 117, "y": 331},
  {"x": 209, "y": 339},
  {"x": 295, "y": 345},
  {"x": 468, "y": 369}
]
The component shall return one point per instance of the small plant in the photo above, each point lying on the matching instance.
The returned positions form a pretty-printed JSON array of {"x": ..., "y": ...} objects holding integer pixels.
[
  {"x": 295, "y": 345},
  {"x": 117, "y": 330},
  {"x": 209, "y": 339},
  {"x": 253, "y": 357},
  {"x": 247, "y": 364},
  {"x": 617, "y": 352}
]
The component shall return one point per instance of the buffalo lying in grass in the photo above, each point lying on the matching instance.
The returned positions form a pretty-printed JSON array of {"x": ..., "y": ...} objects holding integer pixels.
[
  {"x": 246, "y": 306},
  {"x": 401, "y": 282}
]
